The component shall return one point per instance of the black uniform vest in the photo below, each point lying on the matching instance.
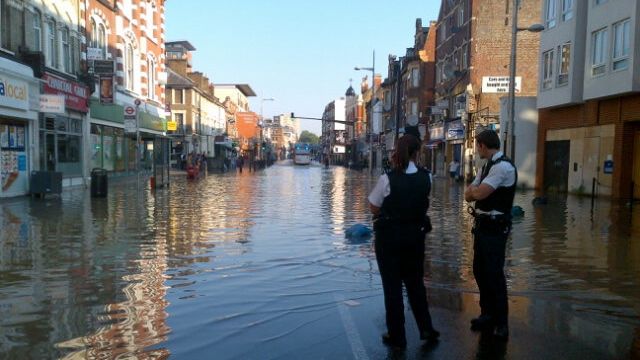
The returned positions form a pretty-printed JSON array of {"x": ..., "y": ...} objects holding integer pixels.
[
  {"x": 408, "y": 201},
  {"x": 502, "y": 198}
]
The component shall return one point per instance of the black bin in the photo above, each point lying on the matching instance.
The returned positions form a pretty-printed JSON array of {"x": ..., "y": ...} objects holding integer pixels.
[{"x": 98, "y": 182}]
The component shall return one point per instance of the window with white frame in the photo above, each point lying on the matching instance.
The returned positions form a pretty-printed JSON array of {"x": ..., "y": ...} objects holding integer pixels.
[
  {"x": 12, "y": 24},
  {"x": 621, "y": 44},
  {"x": 94, "y": 33},
  {"x": 128, "y": 67},
  {"x": 550, "y": 14},
  {"x": 150, "y": 12},
  {"x": 456, "y": 60},
  {"x": 547, "y": 69},
  {"x": 564, "y": 63},
  {"x": 415, "y": 77},
  {"x": 413, "y": 107},
  {"x": 151, "y": 78},
  {"x": 36, "y": 34},
  {"x": 102, "y": 40},
  {"x": 52, "y": 48},
  {"x": 599, "y": 52},
  {"x": 567, "y": 10},
  {"x": 461, "y": 15},
  {"x": 66, "y": 49}
]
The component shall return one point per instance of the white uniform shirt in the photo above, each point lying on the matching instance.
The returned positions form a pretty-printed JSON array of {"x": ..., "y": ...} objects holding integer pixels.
[
  {"x": 500, "y": 174},
  {"x": 383, "y": 187}
]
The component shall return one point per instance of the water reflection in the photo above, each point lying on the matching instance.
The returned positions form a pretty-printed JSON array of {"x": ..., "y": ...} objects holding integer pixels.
[{"x": 257, "y": 263}]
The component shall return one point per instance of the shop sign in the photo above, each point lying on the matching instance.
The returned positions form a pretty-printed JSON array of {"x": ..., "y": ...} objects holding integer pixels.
[
  {"x": 455, "y": 130},
  {"x": 76, "y": 94},
  {"x": 436, "y": 133},
  {"x": 499, "y": 84},
  {"x": 52, "y": 104},
  {"x": 14, "y": 93},
  {"x": 130, "y": 125},
  {"x": 103, "y": 67},
  {"x": 94, "y": 53},
  {"x": 172, "y": 125}
]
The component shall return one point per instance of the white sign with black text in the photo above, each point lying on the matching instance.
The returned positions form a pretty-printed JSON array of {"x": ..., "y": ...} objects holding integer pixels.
[{"x": 499, "y": 84}]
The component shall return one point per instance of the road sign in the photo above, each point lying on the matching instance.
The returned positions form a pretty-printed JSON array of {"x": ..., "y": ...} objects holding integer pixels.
[
  {"x": 130, "y": 112},
  {"x": 129, "y": 125}
]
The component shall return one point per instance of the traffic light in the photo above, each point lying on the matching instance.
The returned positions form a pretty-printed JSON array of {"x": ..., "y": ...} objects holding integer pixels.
[{"x": 293, "y": 115}]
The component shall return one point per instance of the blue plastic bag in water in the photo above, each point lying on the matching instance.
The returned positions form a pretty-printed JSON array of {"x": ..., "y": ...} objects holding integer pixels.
[{"x": 357, "y": 231}]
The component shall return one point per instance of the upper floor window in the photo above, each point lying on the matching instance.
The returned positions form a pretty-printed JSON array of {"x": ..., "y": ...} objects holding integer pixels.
[
  {"x": 151, "y": 78},
  {"x": 129, "y": 66},
  {"x": 598, "y": 52},
  {"x": 66, "y": 49},
  {"x": 36, "y": 36},
  {"x": 102, "y": 40},
  {"x": 598, "y": 2},
  {"x": 567, "y": 10},
  {"x": 127, "y": 8},
  {"x": 547, "y": 69},
  {"x": 621, "y": 44},
  {"x": 178, "y": 96},
  {"x": 11, "y": 24},
  {"x": 52, "y": 48},
  {"x": 564, "y": 58},
  {"x": 415, "y": 77},
  {"x": 461, "y": 15},
  {"x": 94, "y": 34},
  {"x": 465, "y": 57},
  {"x": 550, "y": 14}
]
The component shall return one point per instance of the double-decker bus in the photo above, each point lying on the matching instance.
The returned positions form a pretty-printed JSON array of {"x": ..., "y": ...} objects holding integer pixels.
[{"x": 302, "y": 154}]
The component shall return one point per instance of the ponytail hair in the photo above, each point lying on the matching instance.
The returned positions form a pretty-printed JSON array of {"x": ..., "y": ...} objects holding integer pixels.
[{"x": 406, "y": 151}]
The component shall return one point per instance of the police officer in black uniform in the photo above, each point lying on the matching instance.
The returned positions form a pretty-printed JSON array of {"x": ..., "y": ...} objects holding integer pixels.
[
  {"x": 399, "y": 203},
  {"x": 492, "y": 190}
]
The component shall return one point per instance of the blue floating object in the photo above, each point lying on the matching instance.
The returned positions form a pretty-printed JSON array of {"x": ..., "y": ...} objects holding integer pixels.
[
  {"x": 517, "y": 211},
  {"x": 357, "y": 231}
]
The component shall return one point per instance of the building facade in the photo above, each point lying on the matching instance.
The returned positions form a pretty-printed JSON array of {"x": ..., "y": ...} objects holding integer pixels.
[
  {"x": 589, "y": 102},
  {"x": 125, "y": 56},
  {"x": 472, "y": 62}
]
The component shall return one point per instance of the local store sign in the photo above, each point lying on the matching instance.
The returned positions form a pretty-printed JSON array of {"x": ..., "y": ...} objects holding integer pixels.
[
  {"x": 76, "y": 94},
  {"x": 14, "y": 93}
]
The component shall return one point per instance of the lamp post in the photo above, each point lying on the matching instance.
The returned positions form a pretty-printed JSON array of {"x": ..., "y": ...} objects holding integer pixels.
[
  {"x": 373, "y": 94},
  {"x": 512, "y": 78},
  {"x": 261, "y": 124}
]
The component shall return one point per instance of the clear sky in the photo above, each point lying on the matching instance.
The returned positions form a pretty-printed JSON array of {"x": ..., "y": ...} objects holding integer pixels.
[{"x": 301, "y": 53}]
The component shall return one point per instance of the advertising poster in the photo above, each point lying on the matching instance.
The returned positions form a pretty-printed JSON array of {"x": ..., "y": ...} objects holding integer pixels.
[
  {"x": 12, "y": 136},
  {"x": 20, "y": 139},
  {"x": 107, "y": 142},
  {"x": 4, "y": 136},
  {"x": 106, "y": 89}
]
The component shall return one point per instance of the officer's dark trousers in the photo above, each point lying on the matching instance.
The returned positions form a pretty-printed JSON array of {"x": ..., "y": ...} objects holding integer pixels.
[
  {"x": 489, "y": 243},
  {"x": 400, "y": 257}
]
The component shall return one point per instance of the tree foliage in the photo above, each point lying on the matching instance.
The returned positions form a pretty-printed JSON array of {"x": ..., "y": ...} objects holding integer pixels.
[{"x": 308, "y": 137}]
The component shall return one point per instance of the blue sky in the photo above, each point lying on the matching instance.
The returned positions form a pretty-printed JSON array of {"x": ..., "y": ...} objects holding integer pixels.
[{"x": 302, "y": 53}]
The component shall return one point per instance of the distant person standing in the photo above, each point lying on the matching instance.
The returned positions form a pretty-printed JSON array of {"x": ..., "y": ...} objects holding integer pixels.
[
  {"x": 454, "y": 166},
  {"x": 493, "y": 191},
  {"x": 239, "y": 163}
]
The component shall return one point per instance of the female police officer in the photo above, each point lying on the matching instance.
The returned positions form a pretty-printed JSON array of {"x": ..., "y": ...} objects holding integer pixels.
[
  {"x": 493, "y": 191},
  {"x": 399, "y": 203}
]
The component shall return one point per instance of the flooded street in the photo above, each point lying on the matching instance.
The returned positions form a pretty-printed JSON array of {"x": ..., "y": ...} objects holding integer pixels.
[{"x": 256, "y": 266}]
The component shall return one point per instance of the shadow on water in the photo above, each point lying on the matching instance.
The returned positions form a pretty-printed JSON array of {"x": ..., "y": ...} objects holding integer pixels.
[{"x": 257, "y": 263}]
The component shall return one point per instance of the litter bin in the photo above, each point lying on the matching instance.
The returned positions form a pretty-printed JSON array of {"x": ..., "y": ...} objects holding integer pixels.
[{"x": 98, "y": 182}]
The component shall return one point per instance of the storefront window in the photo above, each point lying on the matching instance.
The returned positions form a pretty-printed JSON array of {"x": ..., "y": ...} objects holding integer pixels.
[{"x": 61, "y": 146}]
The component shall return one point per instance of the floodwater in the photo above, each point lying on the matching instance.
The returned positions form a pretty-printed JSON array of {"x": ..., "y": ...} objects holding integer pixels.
[{"x": 256, "y": 266}]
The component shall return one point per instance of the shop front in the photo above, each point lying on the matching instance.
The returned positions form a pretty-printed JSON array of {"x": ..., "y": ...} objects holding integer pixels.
[
  {"x": 61, "y": 131},
  {"x": 18, "y": 114},
  {"x": 455, "y": 143},
  {"x": 437, "y": 147}
]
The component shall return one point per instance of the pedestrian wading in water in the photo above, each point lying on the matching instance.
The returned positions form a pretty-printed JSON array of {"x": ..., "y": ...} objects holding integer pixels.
[{"x": 399, "y": 203}]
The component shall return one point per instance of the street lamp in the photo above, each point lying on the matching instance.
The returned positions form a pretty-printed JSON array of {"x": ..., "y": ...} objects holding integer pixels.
[
  {"x": 373, "y": 94},
  {"x": 512, "y": 77}
]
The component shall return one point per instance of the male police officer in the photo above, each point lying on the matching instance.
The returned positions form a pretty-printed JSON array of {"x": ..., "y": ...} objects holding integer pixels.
[{"x": 493, "y": 190}]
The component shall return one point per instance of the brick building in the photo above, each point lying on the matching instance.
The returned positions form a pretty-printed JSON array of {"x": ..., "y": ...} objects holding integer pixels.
[
  {"x": 473, "y": 45},
  {"x": 589, "y": 102},
  {"x": 125, "y": 52}
]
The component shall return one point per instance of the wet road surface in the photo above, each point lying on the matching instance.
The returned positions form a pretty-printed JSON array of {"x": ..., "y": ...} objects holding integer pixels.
[{"x": 256, "y": 266}]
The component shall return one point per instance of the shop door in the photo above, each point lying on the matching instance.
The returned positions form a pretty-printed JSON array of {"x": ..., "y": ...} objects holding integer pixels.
[
  {"x": 50, "y": 155},
  {"x": 591, "y": 163},
  {"x": 636, "y": 165},
  {"x": 556, "y": 166}
]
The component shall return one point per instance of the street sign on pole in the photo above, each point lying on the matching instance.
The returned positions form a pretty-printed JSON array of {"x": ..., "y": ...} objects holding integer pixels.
[{"x": 130, "y": 119}]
